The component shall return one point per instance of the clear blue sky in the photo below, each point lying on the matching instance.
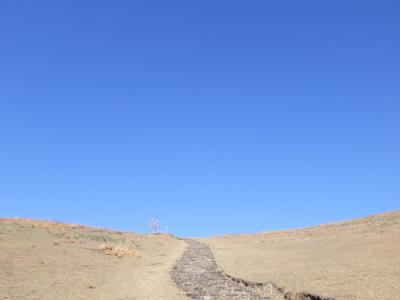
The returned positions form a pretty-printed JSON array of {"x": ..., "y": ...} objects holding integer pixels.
[{"x": 213, "y": 116}]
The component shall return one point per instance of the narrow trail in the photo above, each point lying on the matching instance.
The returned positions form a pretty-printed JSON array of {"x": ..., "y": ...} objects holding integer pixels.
[
  {"x": 197, "y": 274},
  {"x": 199, "y": 277}
]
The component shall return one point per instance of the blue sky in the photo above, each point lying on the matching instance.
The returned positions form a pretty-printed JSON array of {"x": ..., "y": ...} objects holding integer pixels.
[{"x": 212, "y": 116}]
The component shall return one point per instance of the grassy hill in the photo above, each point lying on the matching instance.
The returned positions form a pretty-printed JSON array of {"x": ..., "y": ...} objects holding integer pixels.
[
  {"x": 358, "y": 259},
  {"x": 50, "y": 260}
]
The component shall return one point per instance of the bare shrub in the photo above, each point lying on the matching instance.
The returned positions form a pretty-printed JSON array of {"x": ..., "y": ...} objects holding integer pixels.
[{"x": 154, "y": 226}]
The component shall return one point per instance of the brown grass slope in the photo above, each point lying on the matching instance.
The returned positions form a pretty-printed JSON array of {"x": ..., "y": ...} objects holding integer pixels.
[
  {"x": 50, "y": 260},
  {"x": 358, "y": 259}
]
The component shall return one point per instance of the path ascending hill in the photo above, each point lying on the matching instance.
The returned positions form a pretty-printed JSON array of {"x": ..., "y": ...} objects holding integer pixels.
[
  {"x": 199, "y": 277},
  {"x": 197, "y": 274}
]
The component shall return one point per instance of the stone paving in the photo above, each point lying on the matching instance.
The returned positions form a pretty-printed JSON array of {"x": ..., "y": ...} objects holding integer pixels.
[{"x": 198, "y": 276}]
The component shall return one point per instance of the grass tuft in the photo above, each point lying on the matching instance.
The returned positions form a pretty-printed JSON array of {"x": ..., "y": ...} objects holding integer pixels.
[{"x": 117, "y": 251}]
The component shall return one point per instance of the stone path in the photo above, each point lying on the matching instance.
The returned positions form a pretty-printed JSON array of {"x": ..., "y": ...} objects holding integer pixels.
[
  {"x": 197, "y": 274},
  {"x": 199, "y": 277}
]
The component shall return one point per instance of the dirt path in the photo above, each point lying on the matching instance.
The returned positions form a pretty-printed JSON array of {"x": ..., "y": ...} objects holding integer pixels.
[{"x": 197, "y": 274}]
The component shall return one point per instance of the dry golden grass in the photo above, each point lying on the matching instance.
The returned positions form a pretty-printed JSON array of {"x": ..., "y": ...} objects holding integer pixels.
[
  {"x": 51, "y": 260},
  {"x": 47, "y": 224},
  {"x": 117, "y": 251},
  {"x": 359, "y": 259}
]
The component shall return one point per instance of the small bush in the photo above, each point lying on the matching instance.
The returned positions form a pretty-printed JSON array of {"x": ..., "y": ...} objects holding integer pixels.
[
  {"x": 154, "y": 226},
  {"x": 116, "y": 251}
]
